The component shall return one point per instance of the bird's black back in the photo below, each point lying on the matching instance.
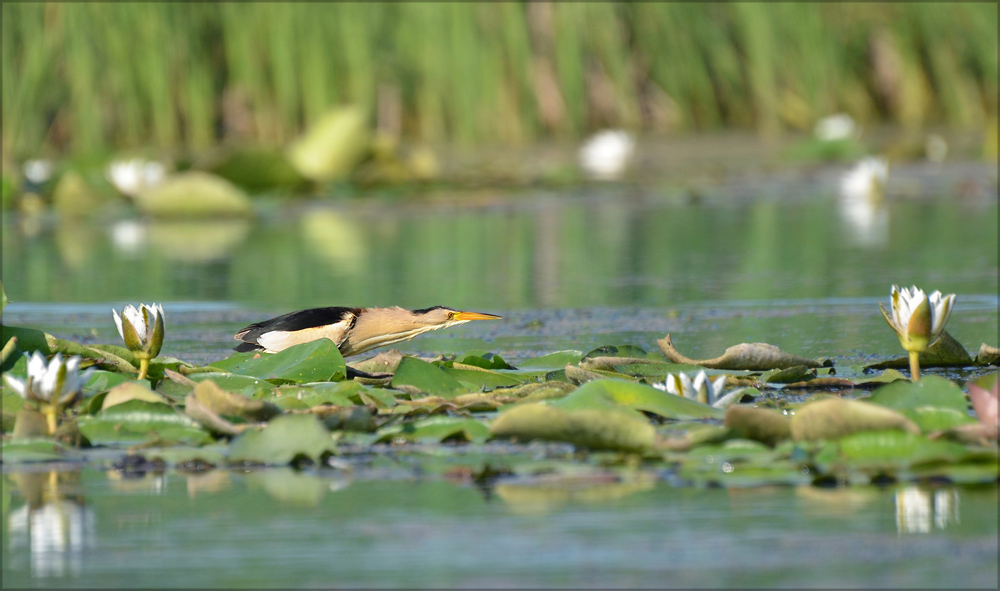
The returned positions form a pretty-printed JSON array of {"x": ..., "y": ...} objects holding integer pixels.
[{"x": 300, "y": 320}]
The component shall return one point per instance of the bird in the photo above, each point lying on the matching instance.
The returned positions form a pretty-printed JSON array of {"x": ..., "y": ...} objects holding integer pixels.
[{"x": 353, "y": 330}]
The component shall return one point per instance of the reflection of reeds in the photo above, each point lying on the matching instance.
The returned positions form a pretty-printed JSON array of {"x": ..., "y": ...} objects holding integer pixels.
[{"x": 82, "y": 76}]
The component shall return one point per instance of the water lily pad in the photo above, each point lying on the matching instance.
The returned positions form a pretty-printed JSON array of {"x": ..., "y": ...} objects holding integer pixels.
[
  {"x": 15, "y": 451},
  {"x": 227, "y": 404},
  {"x": 766, "y": 425},
  {"x": 285, "y": 439},
  {"x": 623, "y": 351},
  {"x": 334, "y": 393},
  {"x": 557, "y": 360},
  {"x": 102, "y": 380},
  {"x": 477, "y": 379},
  {"x": 590, "y": 429},
  {"x": 318, "y": 360},
  {"x": 936, "y": 418},
  {"x": 638, "y": 397},
  {"x": 789, "y": 375},
  {"x": 435, "y": 429},
  {"x": 138, "y": 421},
  {"x": 897, "y": 447},
  {"x": 484, "y": 360},
  {"x": 886, "y": 377},
  {"x": 751, "y": 356},
  {"x": 928, "y": 391},
  {"x": 384, "y": 362},
  {"x": 245, "y": 385},
  {"x": 944, "y": 352},
  {"x": 132, "y": 390},
  {"x": 833, "y": 418},
  {"x": 427, "y": 378}
]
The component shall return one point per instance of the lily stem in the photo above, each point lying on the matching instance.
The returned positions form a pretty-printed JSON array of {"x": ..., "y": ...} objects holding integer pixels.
[
  {"x": 50, "y": 418},
  {"x": 143, "y": 368},
  {"x": 914, "y": 365}
]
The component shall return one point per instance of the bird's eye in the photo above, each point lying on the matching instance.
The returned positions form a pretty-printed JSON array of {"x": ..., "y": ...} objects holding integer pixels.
[{"x": 451, "y": 315}]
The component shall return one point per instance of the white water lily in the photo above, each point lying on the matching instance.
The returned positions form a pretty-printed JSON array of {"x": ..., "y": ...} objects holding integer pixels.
[
  {"x": 866, "y": 181},
  {"x": 917, "y": 319},
  {"x": 142, "y": 330},
  {"x": 835, "y": 127},
  {"x": 605, "y": 155},
  {"x": 53, "y": 385},
  {"x": 700, "y": 388},
  {"x": 132, "y": 177},
  {"x": 38, "y": 171}
]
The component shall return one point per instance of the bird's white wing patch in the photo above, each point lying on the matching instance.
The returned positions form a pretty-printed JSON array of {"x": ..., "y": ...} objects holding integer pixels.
[{"x": 277, "y": 340}]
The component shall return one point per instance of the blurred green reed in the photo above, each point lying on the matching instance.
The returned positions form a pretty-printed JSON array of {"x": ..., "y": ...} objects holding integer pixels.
[{"x": 87, "y": 77}]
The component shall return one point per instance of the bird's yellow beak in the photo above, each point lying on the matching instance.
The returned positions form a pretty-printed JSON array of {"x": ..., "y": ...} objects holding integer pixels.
[{"x": 473, "y": 316}]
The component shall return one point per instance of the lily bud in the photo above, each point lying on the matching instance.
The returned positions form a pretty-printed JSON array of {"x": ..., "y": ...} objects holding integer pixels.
[{"x": 141, "y": 329}]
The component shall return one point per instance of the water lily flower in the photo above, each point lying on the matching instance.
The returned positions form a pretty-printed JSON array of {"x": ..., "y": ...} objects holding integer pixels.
[
  {"x": 700, "y": 388},
  {"x": 142, "y": 331},
  {"x": 866, "y": 181},
  {"x": 605, "y": 155},
  {"x": 53, "y": 385},
  {"x": 131, "y": 177},
  {"x": 39, "y": 171},
  {"x": 918, "y": 320},
  {"x": 834, "y": 128}
]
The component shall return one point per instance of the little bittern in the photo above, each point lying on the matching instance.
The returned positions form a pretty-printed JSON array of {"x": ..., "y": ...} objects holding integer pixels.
[{"x": 353, "y": 330}]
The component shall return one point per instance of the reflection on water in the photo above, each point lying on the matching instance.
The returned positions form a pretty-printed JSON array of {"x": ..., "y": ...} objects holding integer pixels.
[
  {"x": 528, "y": 252},
  {"x": 918, "y": 509},
  {"x": 54, "y": 527},
  {"x": 95, "y": 529}
]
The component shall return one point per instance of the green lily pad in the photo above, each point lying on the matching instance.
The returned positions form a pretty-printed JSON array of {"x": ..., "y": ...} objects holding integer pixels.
[
  {"x": 138, "y": 421},
  {"x": 435, "y": 429},
  {"x": 484, "y": 359},
  {"x": 315, "y": 361},
  {"x": 15, "y": 451},
  {"x": 245, "y": 385},
  {"x": 557, "y": 360},
  {"x": 284, "y": 440},
  {"x": 427, "y": 378},
  {"x": 927, "y": 391},
  {"x": 621, "y": 351},
  {"x": 897, "y": 447},
  {"x": 132, "y": 390},
  {"x": 936, "y": 418},
  {"x": 590, "y": 429},
  {"x": 102, "y": 380},
  {"x": 335, "y": 393},
  {"x": 637, "y": 397},
  {"x": 788, "y": 375},
  {"x": 479, "y": 379},
  {"x": 833, "y": 418}
]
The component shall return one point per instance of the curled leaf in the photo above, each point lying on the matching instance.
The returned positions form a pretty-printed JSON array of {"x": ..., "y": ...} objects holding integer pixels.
[
  {"x": 131, "y": 391},
  {"x": 833, "y": 418},
  {"x": 591, "y": 429},
  {"x": 988, "y": 355},
  {"x": 210, "y": 419},
  {"x": 751, "y": 356}
]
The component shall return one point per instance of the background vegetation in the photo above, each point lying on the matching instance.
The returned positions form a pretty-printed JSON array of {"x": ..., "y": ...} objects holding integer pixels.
[{"x": 82, "y": 77}]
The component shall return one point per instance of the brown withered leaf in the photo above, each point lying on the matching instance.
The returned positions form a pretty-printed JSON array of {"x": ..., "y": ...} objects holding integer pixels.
[{"x": 750, "y": 356}]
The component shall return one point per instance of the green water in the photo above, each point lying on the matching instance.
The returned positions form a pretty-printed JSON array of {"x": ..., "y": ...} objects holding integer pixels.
[
  {"x": 232, "y": 529},
  {"x": 778, "y": 263}
]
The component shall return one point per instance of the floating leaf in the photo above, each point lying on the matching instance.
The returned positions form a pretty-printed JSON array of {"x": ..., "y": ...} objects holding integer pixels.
[
  {"x": 426, "y": 378},
  {"x": 435, "y": 429},
  {"x": 897, "y": 448},
  {"x": 481, "y": 378},
  {"x": 138, "y": 421},
  {"x": 789, "y": 375},
  {"x": 285, "y": 439},
  {"x": 484, "y": 360},
  {"x": 384, "y": 362},
  {"x": 238, "y": 384},
  {"x": 935, "y": 418},
  {"x": 638, "y": 397},
  {"x": 945, "y": 352},
  {"x": 15, "y": 451},
  {"x": 592, "y": 429},
  {"x": 833, "y": 418},
  {"x": 209, "y": 418},
  {"x": 195, "y": 194},
  {"x": 751, "y": 356},
  {"x": 335, "y": 393},
  {"x": 886, "y": 377},
  {"x": 133, "y": 390},
  {"x": 927, "y": 391},
  {"x": 557, "y": 360},
  {"x": 622, "y": 351},
  {"x": 227, "y": 404},
  {"x": 101, "y": 381},
  {"x": 315, "y": 361},
  {"x": 766, "y": 425},
  {"x": 355, "y": 418}
]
